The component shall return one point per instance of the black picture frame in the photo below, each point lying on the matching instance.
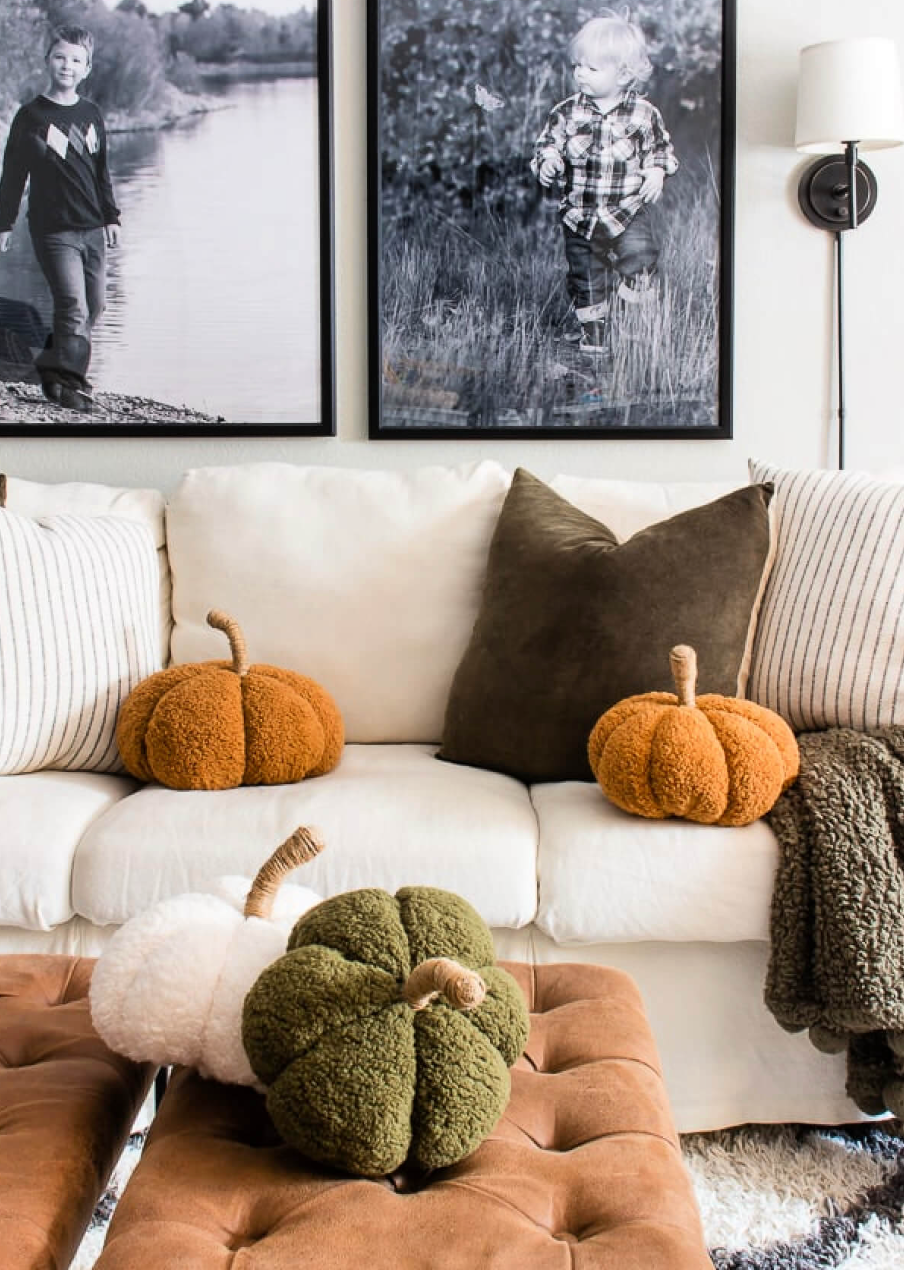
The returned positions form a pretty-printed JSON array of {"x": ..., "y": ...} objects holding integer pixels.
[
  {"x": 321, "y": 380},
  {"x": 436, "y": 196}
]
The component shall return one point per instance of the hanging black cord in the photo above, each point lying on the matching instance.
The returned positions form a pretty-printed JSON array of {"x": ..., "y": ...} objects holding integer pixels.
[
  {"x": 851, "y": 158},
  {"x": 839, "y": 326}
]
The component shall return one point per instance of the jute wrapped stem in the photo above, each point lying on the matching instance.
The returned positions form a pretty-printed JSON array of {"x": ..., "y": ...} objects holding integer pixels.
[
  {"x": 683, "y": 665},
  {"x": 297, "y": 849},
  {"x": 221, "y": 621},
  {"x": 441, "y": 976}
]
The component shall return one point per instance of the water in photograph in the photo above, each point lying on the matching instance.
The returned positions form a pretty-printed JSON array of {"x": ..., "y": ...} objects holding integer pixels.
[{"x": 213, "y": 297}]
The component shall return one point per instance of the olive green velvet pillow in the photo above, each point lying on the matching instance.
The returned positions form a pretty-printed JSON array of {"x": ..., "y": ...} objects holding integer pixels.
[{"x": 572, "y": 621}]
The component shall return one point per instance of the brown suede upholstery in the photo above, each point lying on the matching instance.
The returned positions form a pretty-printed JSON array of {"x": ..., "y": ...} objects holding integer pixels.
[
  {"x": 582, "y": 1172},
  {"x": 66, "y": 1106}
]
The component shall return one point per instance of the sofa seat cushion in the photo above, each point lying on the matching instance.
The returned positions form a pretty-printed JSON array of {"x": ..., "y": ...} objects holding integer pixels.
[
  {"x": 607, "y": 875},
  {"x": 43, "y": 815},
  {"x": 389, "y": 815}
]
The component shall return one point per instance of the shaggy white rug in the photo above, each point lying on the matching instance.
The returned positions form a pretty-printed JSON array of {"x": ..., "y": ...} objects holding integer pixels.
[
  {"x": 792, "y": 1197},
  {"x": 784, "y": 1197}
]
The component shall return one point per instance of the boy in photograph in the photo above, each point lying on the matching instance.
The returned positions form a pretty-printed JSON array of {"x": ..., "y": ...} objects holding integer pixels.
[
  {"x": 58, "y": 142},
  {"x": 608, "y": 147}
]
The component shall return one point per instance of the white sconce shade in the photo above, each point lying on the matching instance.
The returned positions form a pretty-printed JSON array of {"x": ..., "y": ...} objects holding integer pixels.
[{"x": 849, "y": 90}]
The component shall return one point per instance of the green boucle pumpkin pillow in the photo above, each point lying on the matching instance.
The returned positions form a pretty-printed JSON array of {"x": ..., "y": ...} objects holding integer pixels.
[{"x": 385, "y": 1032}]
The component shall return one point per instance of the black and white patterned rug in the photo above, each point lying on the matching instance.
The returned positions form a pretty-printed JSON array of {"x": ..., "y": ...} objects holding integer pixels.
[
  {"x": 93, "y": 1241},
  {"x": 794, "y": 1197},
  {"x": 773, "y": 1197}
]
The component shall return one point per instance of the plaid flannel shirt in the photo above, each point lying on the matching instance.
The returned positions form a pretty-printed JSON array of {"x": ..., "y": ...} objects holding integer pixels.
[{"x": 605, "y": 156}]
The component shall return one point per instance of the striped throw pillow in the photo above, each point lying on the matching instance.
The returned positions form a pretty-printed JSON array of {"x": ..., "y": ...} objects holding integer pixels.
[
  {"x": 829, "y": 644},
  {"x": 79, "y": 628}
]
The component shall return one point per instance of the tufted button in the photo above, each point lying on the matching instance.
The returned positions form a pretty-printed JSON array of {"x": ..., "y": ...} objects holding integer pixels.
[{"x": 236, "y": 1242}]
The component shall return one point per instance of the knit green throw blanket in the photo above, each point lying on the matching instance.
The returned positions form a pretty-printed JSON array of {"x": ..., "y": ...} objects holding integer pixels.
[{"x": 837, "y": 921}]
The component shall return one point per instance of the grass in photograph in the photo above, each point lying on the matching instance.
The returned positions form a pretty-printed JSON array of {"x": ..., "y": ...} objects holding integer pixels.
[{"x": 474, "y": 325}]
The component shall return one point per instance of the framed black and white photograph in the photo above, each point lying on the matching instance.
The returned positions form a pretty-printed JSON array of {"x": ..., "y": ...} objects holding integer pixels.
[
  {"x": 550, "y": 213},
  {"x": 166, "y": 236}
]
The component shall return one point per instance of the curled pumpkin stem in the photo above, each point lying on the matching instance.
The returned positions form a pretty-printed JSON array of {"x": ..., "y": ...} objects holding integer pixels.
[
  {"x": 229, "y": 626},
  {"x": 297, "y": 849},
  {"x": 441, "y": 976},
  {"x": 683, "y": 665}
]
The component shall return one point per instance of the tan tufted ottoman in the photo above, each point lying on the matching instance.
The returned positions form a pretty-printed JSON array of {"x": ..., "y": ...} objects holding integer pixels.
[
  {"x": 583, "y": 1171},
  {"x": 66, "y": 1106}
]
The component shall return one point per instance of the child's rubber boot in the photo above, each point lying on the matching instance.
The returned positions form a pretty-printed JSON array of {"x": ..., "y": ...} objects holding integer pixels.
[
  {"x": 640, "y": 288},
  {"x": 594, "y": 320}
]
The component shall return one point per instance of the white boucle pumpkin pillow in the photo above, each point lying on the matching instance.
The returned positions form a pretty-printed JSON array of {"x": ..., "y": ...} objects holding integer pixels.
[
  {"x": 170, "y": 985},
  {"x": 79, "y": 628}
]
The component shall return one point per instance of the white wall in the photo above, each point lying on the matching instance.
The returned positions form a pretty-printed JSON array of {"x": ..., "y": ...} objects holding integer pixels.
[{"x": 783, "y": 304}]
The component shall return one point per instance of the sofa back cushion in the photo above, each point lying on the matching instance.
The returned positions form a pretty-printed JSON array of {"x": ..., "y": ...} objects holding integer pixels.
[
  {"x": 629, "y": 506},
  {"x": 368, "y": 581}
]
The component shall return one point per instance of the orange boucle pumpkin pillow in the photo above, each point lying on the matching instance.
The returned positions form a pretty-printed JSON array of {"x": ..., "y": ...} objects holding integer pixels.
[
  {"x": 713, "y": 759},
  {"x": 219, "y": 724}
]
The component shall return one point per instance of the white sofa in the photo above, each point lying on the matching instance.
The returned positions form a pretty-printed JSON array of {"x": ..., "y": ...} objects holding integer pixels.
[{"x": 370, "y": 582}]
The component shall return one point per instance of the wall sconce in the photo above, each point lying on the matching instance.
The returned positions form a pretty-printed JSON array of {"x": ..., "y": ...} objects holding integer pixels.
[{"x": 849, "y": 97}]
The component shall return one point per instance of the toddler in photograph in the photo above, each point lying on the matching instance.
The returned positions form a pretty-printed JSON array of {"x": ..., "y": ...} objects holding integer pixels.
[
  {"x": 58, "y": 144},
  {"x": 608, "y": 148}
]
